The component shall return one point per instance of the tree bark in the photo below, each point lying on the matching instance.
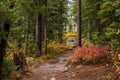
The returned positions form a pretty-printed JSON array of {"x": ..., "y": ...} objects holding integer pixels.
[
  {"x": 60, "y": 31},
  {"x": 88, "y": 33},
  {"x": 39, "y": 35},
  {"x": 79, "y": 24},
  {"x": 3, "y": 43},
  {"x": 27, "y": 35},
  {"x": 45, "y": 29}
]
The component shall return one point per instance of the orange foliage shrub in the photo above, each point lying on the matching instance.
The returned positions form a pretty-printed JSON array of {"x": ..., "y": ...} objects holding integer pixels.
[{"x": 87, "y": 54}]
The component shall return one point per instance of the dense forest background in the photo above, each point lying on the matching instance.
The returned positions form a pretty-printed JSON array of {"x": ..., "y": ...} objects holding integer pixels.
[{"x": 36, "y": 27}]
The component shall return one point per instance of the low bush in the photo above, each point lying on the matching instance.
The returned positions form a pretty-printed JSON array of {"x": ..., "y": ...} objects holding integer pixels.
[
  {"x": 56, "y": 47},
  {"x": 86, "y": 42},
  {"x": 116, "y": 63},
  {"x": 8, "y": 70},
  {"x": 92, "y": 53}
]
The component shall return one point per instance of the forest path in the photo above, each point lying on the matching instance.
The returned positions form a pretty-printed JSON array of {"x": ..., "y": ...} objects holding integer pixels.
[
  {"x": 57, "y": 69},
  {"x": 52, "y": 67}
]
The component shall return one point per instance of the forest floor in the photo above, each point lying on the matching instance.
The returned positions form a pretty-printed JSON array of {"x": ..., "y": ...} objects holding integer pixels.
[{"x": 58, "y": 68}]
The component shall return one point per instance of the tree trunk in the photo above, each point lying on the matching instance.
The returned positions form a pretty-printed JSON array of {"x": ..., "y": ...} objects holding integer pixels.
[
  {"x": 45, "y": 29},
  {"x": 3, "y": 43},
  {"x": 1, "y": 30},
  {"x": 70, "y": 28},
  {"x": 88, "y": 33},
  {"x": 27, "y": 35},
  {"x": 39, "y": 35},
  {"x": 79, "y": 24},
  {"x": 97, "y": 20},
  {"x": 60, "y": 31}
]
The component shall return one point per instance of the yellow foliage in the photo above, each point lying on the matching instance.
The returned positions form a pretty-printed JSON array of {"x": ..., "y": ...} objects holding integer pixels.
[
  {"x": 12, "y": 49},
  {"x": 86, "y": 42},
  {"x": 118, "y": 32},
  {"x": 119, "y": 56},
  {"x": 69, "y": 34},
  {"x": 116, "y": 63},
  {"x": 55, "y": 46}
]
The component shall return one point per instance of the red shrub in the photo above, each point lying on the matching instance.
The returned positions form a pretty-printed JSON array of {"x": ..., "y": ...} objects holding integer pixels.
[{"x": 87, "y": 54}]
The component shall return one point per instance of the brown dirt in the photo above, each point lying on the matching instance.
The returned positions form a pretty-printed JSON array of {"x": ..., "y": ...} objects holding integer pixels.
[{"x": 53, "y": 68}]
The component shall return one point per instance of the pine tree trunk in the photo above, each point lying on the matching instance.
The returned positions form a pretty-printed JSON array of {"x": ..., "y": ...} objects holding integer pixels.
[
  {"x": 27, "y": 35},
  {"x": 60, "y": 31},
  {"x": 39, "y": 35},
  {"x": 45, "y": 29},
  {"x": 3, "y": 43},
  {"x": 79, "y": 24},
  {"x": 98, "y": 21},
  {"x": 88, "y": 33}
]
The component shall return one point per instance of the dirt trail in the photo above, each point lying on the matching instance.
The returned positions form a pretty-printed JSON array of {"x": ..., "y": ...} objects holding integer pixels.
[
  {"x": 51, "y": 68},
  {"x": 57, "y": 69}
]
